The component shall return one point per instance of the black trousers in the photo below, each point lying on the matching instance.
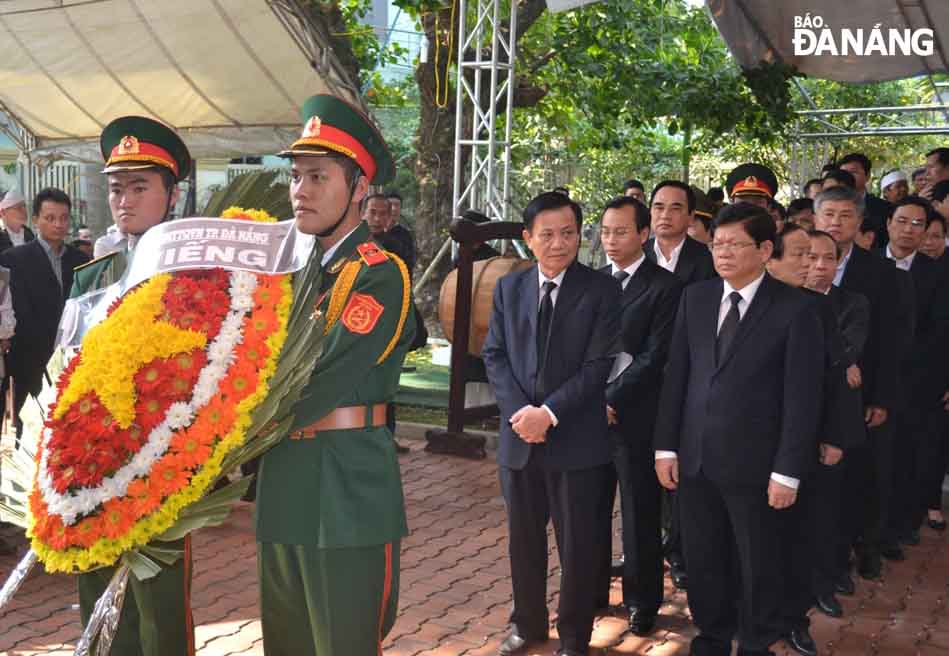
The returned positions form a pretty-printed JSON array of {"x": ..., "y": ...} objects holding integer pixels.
[
  {"x": 812, "y": 539},
  {"x": 733, "y": 547},
  {"x": 641, "y": 510},
  {"x": 672, "y": 544},
  {"x": 868, "y": 488},
  {"x": 931, "y": 465},
  {"x": 533, "y": 496}
]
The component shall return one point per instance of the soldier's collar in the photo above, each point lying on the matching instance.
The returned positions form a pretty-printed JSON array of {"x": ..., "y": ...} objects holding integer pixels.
[{"x": 345, "y": 247}]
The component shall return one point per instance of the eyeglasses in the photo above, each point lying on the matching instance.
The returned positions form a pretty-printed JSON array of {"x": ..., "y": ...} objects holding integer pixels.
[
  {"x": 619, "y": 233},
  {"x": 730, "y": 247},
  {"x": 915, "y": 223}
]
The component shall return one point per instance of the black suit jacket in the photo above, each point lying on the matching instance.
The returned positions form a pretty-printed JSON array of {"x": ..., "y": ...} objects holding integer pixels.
[
  {"x": 756, "y": 411},
  {"x": 695, "y": 261},
  {"x": 7, "y": 243},
  {"x": 878, "y": 211},
  {"x": 925, "y": 379},
  {"x": 853, "y": 318},
  {"x": 38, "y": 302},
  {"x": 583, "y": 340},
  {"x": 875, "y": 278},
  {"x": 647, "y": 315},
  {"x": 404, "y": 245}
]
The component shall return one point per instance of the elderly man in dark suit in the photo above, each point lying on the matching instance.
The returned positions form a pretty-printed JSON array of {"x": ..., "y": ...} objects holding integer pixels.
[
  {"x": 868, "y": 474},
  {"x": 648, "y": 307},
  {"x": 737, "y": 430},
  {"x": 41, "y": 273},
  {"x": 672, "y": 212},
  {"x": 550, "y": 346}
]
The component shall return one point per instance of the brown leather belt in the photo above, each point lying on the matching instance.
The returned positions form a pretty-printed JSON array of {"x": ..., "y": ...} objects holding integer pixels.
[{"x": 348, "y": 418}]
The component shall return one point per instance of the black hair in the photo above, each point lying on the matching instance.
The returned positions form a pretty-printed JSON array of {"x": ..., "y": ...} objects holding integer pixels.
[
  {"x": 82, "y": 226},
  {"x": 550, "y": 200},
  {"x": 775, "y": 205},
  {"x": 689, "y": 194},
  {"x": 351, "y": 170},
  {"x": 918, "y": 201},
  {"x": 936, "y": 217},
  {"x": 942, "y": 155},
  {"x": 779, "y": 239},
  {"x": 859, "y": 158},
  {"x": 755, "y": 220},
  {"x": 812, "y": 181},
  {"x": 706, "y": 221},
  {"x": 392, "y": 194},
  {"x": 640, "y": 212},
  {"x": 821, "y": 233},
  {"x": 365, "y": 201},
  {"x": 53, "y": 195},
  {"x": 561, "y": 190},
  {"x": 801, "y": 204},
  {"x": 633, "y": 184},
  {"x": 867, "y": 225},
  {"x": 940, "y": 191},
  {"x": 917, "y": 173},
  {"x": 843, "y": 177},
  {"x": 827, "y": 168},
  {"x": 715, "y": 194}
]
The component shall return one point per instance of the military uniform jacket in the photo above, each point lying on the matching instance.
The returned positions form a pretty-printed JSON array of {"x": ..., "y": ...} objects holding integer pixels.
[{"x": 343, "y": 488}]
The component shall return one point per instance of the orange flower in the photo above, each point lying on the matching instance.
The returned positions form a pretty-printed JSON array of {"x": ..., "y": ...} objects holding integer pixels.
[
  {"x": 116, "y": 519},
  {"x": 56, "y": 533},
  {"x": 263, "y": 322},
  {"x": 240, "y": 381},
  {"x": 168, "y": 476},
  {"x": 86, "y": 532},
  {"x": 191, "y": 451},
  {"x": 213, "y": 421}
]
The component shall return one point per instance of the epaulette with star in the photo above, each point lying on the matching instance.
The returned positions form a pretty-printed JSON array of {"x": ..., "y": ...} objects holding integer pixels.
[{"x": 371, "y": 254}]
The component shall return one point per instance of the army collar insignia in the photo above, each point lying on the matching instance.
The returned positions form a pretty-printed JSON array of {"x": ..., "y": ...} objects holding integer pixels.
[{"x": 337, "y": 266}]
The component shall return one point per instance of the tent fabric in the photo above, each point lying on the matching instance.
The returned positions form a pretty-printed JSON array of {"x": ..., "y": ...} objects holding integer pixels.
[
  {"x": 226, "y": 73},
  {"x": 764, "y": 30}
]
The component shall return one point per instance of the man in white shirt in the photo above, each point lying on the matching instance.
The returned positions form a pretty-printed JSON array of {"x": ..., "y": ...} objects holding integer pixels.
[
  {"x": 736, "y": 431},
  {"x": 672, "y": 211},
  {"x": 14, "y": 231}
]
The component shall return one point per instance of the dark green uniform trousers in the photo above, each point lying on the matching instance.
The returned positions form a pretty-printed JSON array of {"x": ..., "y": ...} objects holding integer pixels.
[
  {"x": 156, "y": 617},
  {"x": 327, "y": 602}
]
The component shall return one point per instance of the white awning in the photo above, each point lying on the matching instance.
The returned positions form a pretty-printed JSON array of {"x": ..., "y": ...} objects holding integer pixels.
[
  {"x": 764, "y": 30},
  {"x": 230, "y": 75}
]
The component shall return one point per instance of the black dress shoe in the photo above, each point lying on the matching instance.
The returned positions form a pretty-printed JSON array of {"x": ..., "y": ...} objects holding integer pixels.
[
  {"x": 845, "y": 586},
  {"x": 680, "y": 579},
  {"x": 869, "y": 566},
  {"x": 828, "y": 605},
  {"x": 910, "y": 539},
  {"x": 617, "y": 567},
  {"x": 641, "y": 623},
  {"x": 515, "y": 644},
  {"x": 936, "y": 524},
  {"x": 801, "y": 641},
  {"x": 893, "y": 552}
]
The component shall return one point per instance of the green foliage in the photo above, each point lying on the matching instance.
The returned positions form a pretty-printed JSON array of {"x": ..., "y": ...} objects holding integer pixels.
[{"x": 258, "y": 190}]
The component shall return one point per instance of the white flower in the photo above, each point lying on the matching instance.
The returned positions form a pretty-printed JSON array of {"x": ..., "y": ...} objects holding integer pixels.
[{"x": 179, "y": 415}]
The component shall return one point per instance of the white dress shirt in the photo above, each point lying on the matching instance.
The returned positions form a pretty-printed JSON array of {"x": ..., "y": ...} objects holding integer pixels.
[
  {"x": 842, "y": 266},
  {"x": 747, "y": 296},
  {"x": 670, "y": 264},
  {"x": 557, "y": 280},
  {"x": 905, "y": 263},
  {"x": 631, "y": 269}
]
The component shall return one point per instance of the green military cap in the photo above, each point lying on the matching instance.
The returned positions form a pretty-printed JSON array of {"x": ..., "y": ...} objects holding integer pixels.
[
  {"x": 751, "y": 180},
  {"x": 331, "y": 125},
  {"x": 703, "y": 205},
  {"x": 131, "y": 143}
]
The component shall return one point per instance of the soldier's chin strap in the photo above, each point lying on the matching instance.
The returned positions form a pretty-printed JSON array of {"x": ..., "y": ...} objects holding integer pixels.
[{"x": 352, "y": 192}]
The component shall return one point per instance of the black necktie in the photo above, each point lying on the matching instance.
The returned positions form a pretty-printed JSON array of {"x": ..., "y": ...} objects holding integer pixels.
[
  {"x": 726, "y": 334},
  {"x": 620, "y": 275},
  {"x": 544, "y": 317}
]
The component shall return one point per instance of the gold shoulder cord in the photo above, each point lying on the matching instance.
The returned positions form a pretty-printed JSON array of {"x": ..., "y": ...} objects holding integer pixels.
[
  {"x": 406, "y": 297},
  {"x": 341, "y": 288}
]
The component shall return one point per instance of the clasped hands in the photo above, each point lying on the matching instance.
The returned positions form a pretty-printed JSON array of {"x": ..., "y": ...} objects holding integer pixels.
[{"x": 531, "y": 424}]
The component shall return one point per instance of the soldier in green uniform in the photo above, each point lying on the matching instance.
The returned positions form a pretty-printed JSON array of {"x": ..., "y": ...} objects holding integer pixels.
[
  {"x": 330, "y": 511},
  {"x": 144, "y": 162}
]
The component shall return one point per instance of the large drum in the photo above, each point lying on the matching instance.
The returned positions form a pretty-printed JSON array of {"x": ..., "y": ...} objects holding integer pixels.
[{"x": 484, "y": 277}]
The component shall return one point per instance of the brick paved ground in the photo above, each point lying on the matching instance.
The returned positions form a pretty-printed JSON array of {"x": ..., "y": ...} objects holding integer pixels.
[{"x": 456, "y": 591}]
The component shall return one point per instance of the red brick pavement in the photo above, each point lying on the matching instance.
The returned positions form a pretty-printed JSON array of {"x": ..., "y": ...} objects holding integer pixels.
[{"x": 456, "y": 592}]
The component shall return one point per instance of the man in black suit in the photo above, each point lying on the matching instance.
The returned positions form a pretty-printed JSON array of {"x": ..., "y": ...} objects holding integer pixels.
[
  {"x": 648, "y": 307},
  {"x": 811, "y": 524},
  {"x": 672, "y": 212},
  {"x": 867, "y": 472},
  {"x": 550, "y": 346},
  {"x": 736, "y": 431},
  {"x": 14, "y": 232},
  {"x": 877, "y": 210},
  {"x": 920, "y": 424},
  {"x": 41, "y": 273}
]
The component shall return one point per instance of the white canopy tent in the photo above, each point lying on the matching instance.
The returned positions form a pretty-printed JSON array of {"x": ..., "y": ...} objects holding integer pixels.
[{"x": 230, "y": 75}]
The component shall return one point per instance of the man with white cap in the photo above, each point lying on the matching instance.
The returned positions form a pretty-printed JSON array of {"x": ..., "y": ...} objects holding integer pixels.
[
  {"x": 14, "y": 231},
  {"x": 894, "y": 186}
]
